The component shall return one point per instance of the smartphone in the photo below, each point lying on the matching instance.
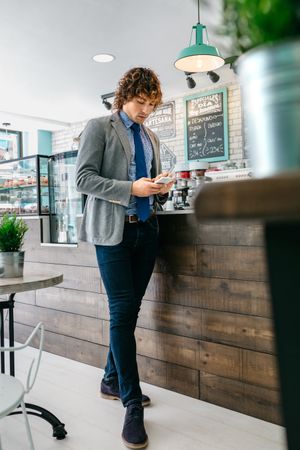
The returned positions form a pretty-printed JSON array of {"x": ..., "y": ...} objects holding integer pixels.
[{"x": 164, "y": 180}]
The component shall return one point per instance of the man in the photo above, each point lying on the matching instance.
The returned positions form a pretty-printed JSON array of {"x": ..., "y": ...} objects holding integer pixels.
[{"x": 117, "y": 166}]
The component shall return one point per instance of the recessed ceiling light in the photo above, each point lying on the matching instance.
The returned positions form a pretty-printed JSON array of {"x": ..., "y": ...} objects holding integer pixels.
[{"x": 103, "y": 57}]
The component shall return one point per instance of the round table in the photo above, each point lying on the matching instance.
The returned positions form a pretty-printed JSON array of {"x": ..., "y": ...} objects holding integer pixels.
[{"x": 11, "y": 286}]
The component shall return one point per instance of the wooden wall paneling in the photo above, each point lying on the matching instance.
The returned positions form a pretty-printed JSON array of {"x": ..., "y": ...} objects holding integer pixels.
[
  {"x": 185, "y": 230},
  {"x": 245, "y": 398},
  {"x": 263, "y": 403},
  {"x": 75, "y": 277},
  {"x": 151, "y": 371},
  {"x": 156, "y": 289},
  {"x": 186, "y": 352},
  {"x": 242, "y": 263},
  {"x": 66, "y": 346},
  {"x": 162, "y": 346},
  {"x": 69, "y": 300},
  {"x": 220, "y": 359},
  {"x": 205, "y": 311},
  {"x": 260, "y": 369},
  {"x": 230, "y": 233},
  {"x": 60, "y": 255},
  {"x": 251, "y": 332},
  {"x": 173, "y": 319},
  {"x": 73, "y": 325},
  {"x": 174, "y": 349},
  {"x": 248, "y": 297},
  {"x": 183, "y": 380},
  {"x": 169, "y": 376},
  {"x": 177, "y": 259},
  {"x": 26, "y": 297}
]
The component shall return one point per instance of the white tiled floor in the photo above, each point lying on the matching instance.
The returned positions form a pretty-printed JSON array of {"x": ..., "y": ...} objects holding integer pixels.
[{"x": 174, "y": 422}]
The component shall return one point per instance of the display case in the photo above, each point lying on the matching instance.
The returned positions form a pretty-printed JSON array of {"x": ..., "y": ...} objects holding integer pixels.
[
  {"x": 24, "y": 186},
  {"x": 65, "y": 201}
]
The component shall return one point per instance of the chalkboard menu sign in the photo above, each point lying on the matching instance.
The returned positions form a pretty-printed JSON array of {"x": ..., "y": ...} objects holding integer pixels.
[
  {"x": 162, "y": 121},
  {"x": 206, "y": 131}
]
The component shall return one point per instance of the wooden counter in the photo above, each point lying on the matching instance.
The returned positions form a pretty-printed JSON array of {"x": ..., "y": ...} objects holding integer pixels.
[
  {"x": 275, "y": 201},
  {"x": 205, "y": 327}
]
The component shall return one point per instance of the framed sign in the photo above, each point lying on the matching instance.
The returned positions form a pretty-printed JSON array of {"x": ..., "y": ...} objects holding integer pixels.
[
  {"x": 206, "y": 126},
  {"x": 10, "y": 144},
  {"x": 162, "y": 121},
  {"x": 168, "y": 158}
]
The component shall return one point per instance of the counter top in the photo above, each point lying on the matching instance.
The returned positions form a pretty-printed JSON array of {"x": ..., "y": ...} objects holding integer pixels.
[
  {"x": 175, "y": 211},
  {"x": 29, "y": 282},
  {"x": 165, "y": 213},
  {"x": 272, "y": 198}
]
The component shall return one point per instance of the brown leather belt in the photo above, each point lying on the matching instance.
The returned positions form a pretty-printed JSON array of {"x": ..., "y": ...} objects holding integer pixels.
[{"x": 134, "y": 218}]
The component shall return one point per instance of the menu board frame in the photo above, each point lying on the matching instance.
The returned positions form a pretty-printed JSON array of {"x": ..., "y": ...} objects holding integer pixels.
[{"x": 223, "y": 116}]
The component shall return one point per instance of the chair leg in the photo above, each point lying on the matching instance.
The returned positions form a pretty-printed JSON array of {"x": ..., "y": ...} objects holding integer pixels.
[{"x": 28, "y": 431}]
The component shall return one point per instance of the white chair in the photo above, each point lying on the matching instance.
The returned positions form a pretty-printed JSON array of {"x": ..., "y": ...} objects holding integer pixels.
[{"x": 12, "y": 390}]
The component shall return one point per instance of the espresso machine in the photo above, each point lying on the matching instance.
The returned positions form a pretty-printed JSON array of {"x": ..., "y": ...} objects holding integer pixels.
[{"x": 188, "y": 176}]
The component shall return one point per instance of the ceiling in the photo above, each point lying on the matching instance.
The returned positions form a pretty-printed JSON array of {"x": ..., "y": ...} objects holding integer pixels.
[{"x": 46, "y": 49}]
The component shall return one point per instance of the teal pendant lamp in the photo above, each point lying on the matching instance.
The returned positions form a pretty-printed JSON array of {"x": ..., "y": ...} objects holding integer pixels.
[{"x": 199, "y": 57}]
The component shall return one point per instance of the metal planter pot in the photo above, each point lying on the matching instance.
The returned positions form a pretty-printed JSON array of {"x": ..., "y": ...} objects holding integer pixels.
[
  {"x": 11, "y": 264},
  {"x": 270, "y": 81}
]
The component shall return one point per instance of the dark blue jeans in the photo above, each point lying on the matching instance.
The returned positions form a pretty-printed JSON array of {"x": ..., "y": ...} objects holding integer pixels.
[{"x": 126, "y": 269}]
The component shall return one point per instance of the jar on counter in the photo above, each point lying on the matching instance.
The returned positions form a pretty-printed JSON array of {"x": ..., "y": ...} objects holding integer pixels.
[{"x": 177, "y": 199}]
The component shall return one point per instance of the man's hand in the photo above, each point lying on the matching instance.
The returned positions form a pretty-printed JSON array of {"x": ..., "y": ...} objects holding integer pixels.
[
  {"x": 144, "y": 187},
  {"x": 164, "y": 188}
]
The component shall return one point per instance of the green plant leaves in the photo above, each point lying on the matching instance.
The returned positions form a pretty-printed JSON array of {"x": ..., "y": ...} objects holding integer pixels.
[
  {"x": 251, "y": 23},
  {"x": 12, "y": 231}
]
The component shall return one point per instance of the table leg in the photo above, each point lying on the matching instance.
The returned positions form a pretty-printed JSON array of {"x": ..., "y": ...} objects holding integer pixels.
[
  {"x": 283, "y": 255},
  {"x": 58, "y": 427},
  {"x": 11, "y": 333}
]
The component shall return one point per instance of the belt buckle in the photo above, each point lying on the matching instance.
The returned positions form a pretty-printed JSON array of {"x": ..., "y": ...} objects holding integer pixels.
[{"x": 132, "y": 219}]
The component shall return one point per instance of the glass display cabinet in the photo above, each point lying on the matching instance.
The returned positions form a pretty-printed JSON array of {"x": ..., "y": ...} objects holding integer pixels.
[
  {"x": 65, "y": 201},
  {"x": 24, "y": 186}
]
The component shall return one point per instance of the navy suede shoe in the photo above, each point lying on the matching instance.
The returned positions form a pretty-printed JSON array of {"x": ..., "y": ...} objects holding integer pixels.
[
  {"x": 110, "y": 391},
  {"x": 134, "y": 434}
]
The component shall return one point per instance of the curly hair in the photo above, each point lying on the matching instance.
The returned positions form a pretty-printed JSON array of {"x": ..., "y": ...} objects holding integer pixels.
[{"x": 138, "y": 81}]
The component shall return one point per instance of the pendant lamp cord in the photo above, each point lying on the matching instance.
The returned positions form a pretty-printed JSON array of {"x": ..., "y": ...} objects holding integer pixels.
[{"x": 198, "y": 11}]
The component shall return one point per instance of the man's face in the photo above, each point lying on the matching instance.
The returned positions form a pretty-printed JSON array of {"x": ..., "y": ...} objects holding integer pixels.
[{"x": 139, "y": 108}]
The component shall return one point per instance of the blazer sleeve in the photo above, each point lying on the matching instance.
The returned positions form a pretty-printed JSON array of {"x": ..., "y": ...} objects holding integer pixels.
[{"x": 88, "y": 167}]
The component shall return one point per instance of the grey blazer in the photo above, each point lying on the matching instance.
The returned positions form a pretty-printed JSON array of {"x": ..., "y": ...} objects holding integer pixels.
[{"x": 102, "y": 173}]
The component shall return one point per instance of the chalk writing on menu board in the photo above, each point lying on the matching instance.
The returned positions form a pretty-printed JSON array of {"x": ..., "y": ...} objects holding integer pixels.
[
  {"x": 206, "y": 126},
  {"x": 162, "y": 121}
]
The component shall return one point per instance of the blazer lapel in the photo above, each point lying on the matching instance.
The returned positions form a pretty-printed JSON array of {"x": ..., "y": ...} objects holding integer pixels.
[{"x": 122, "y": 134}]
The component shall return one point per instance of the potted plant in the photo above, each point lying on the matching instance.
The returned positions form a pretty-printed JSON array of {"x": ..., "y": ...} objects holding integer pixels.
[
  {"x": 269, "y": 75},
  {"x": 12, "y": 231}
]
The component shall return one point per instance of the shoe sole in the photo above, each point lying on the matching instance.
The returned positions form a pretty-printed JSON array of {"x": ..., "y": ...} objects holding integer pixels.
[
  {"x": 130, "y": 445},
  {"x": 113, "y": 397}
]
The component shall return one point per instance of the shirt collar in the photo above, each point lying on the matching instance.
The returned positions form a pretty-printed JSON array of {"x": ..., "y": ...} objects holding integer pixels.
[{"x": 125, "y": 119}]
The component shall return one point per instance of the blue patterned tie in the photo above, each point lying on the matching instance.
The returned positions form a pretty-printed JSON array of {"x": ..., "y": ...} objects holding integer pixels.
[{"x": 142, "y": 203}]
